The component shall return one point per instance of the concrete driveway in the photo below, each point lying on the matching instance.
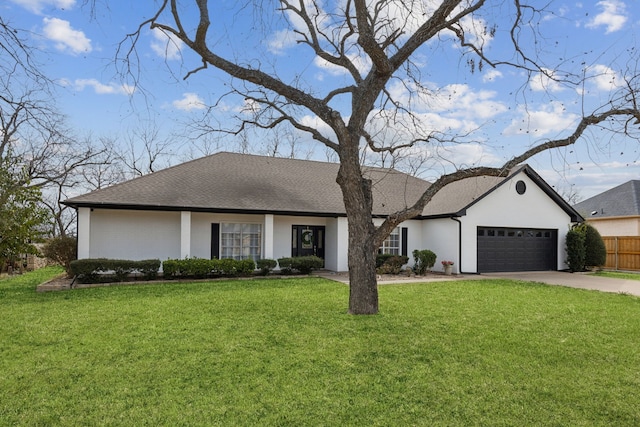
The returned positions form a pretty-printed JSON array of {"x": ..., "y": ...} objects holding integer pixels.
[
  {"x": 574, "y": 280},
  {"x": 562, "y": 278}
]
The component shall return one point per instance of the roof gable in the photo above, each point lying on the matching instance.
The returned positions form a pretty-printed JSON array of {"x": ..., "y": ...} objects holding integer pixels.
[
  {"x": 623, "y": 200},
  {"x": 455, "y": 198}
]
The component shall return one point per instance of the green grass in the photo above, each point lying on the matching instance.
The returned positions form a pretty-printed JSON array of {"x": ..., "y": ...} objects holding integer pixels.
[
  {"x": 618, "y": 274},
  {"x": 284, "y": 352}
]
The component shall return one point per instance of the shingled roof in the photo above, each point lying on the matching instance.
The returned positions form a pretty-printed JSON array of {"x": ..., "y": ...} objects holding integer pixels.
[
  {"x": 623, "y": 200},
  {"x": 232, "y": 182},
  {"x": 457, "y": 197},
  {"x": 243, "y": 183}
]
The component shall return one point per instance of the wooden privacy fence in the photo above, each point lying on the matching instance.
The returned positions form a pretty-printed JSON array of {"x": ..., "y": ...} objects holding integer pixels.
[{"x": 623, "y": 252}]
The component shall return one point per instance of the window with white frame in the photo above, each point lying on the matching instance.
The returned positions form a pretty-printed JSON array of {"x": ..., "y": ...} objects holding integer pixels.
[
  {"x": 391, "y": 245},
  {"x": 240, "y": 241}
]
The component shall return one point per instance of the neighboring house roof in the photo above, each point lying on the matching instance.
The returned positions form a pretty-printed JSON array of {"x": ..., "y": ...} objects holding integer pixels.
[
  {"x": 232, "y": 182},
  {"x": 623, "y": 200}
]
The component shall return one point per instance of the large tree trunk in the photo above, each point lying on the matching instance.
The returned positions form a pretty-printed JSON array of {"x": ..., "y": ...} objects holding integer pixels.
[
  {"x": 356, "y": 191},
  {"x": 363, "y": 288}
]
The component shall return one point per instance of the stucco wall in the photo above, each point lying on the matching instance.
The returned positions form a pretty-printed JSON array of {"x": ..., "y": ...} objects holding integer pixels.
[
  {"x": 135, "y": 235},
  {"x": 504, "y": 207},
  {"x": 618, "y": 226},
  {"x": 441, "y": 236}
]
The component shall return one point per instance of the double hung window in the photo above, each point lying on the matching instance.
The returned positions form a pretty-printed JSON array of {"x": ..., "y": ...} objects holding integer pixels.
[{"x": 241, "y": 241}]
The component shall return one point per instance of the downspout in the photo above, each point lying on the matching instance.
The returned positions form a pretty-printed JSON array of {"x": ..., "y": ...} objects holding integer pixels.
[{"x": 459, "y": 244}]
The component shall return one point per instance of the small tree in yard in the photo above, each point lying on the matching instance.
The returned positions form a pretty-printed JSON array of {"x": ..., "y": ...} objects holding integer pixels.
[
  {"x": 22, "y": 219},
  {"x": 384, "y": 52},
  {"x": 61, "y": 250}
]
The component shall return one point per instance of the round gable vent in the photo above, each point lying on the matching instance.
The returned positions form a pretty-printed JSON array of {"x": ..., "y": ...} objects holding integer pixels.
[{"x": 521, "y": 187}]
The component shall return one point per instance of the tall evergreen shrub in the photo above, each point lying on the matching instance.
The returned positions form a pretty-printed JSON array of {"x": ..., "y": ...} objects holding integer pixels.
[{"x": 576, "y": 250}]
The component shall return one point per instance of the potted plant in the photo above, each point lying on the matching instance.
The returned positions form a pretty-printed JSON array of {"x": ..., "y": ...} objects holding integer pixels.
[{"x": 448, "y": 267}]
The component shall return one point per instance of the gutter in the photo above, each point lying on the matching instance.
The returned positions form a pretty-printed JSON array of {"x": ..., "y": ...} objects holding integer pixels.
[{"x": 454, "y": 218}]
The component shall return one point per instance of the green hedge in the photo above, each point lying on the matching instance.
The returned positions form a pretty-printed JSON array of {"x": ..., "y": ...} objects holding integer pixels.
[
  {"x": 301, "y": 264},
  {"x": 266, "y": 265},
  {"x": 93, "y": 270},
  {"x": 391, "y": 264},
  {"x": 202, "y": 268}
]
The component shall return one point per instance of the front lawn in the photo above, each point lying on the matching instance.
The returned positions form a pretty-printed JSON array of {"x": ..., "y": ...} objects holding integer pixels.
[{"x": 284, "y": 352}]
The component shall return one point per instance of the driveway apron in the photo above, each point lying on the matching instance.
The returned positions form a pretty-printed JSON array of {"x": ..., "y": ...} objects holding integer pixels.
[{"x": 574, "y": 280}]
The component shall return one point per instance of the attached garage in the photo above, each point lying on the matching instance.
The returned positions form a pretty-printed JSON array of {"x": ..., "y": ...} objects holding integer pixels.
[{"x": 516, "y": 249}]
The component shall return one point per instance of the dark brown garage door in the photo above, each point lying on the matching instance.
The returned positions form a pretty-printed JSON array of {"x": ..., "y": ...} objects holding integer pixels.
[{"x": 516, "y": 249}]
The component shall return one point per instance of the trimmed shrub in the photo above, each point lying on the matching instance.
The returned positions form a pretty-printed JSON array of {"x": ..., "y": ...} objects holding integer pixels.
[
  {"x": 576, "y": 250},
  {"x": 306, "y": 264},
  {"x": 285, "y": 265},
  {"x": 585, "y": 248},
  {"x": 266, "y": 265},
  {"x": 302, "y": 264},
  {"x": 424, "y": 261},
  {"x": 596, "y": 251},
  {"x": 200, "y": 268},
  {"x": 246, "y": 267},
  {"x": 62, "y": 250},
  {"x": 393, "y": 264},
  {"x": 382, "y": 258},
  {"x": 95, "y": 270}
]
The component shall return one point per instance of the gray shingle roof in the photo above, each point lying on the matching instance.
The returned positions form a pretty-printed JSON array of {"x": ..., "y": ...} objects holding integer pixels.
[
  {"x": 457, "y": 196},
  {"x": 623, "y": 200},
  {"x": 240, "y": 182},
  {"x": 232, "y": 182}
]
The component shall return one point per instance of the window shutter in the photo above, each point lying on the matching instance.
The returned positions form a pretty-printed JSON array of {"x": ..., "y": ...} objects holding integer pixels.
[
  {"x": 404, "y": 241},
  {"x": 215, "y": 241}
]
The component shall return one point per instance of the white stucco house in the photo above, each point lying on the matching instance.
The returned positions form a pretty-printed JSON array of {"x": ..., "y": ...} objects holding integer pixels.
[{"x": 231, "y": 205}]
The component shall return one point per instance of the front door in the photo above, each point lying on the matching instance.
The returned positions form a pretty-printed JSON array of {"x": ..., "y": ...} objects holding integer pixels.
[{"x": 307, "y": 240}]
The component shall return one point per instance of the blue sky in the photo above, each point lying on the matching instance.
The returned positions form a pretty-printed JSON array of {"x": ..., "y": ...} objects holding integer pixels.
[{"x": 78, "y": 49}]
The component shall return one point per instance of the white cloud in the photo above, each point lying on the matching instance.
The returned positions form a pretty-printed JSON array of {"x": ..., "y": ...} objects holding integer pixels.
[
  {"x": 36, "y": 6},
  {"x": 362, "y": 64},
  {"x": 281, "y": 41},
  {"x": 545, "y": 82},
  {"x": 613, "y": 16},
  {"x": 189, "y": 102},
  {"x": 103, "y": 89},
  {"x": 551, "y": 118},
  {"x": 455, "y": 100},
  {"x": 166, "y": 45},
  {"x": 66, "y": 38},
  {"x": 491, "y": 75},
  {"x": 604, "y": 78}
]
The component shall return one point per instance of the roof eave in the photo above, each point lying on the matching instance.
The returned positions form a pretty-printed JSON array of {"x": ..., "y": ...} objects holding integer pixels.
[{"x": 120, "y": 206}]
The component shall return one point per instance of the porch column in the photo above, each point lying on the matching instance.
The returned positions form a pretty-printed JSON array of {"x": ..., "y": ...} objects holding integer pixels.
[
  {"x": 342, "y": 251},
  {"x": 268, "y": 237},
  {"x": 84, "y": 233},
  {"x": 185, "y": 234}
]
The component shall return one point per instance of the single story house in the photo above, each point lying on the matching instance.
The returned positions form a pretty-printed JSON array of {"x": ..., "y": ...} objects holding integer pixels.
[
  {"x": 615, "y": 212},
  {"x": 231, "y": 205}
]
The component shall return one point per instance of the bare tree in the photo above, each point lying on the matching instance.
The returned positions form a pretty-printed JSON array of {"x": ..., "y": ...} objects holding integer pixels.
[
  {"x": 374, "y": 44},
  {"x": 33, "y": 134},
  {"x": 145, "y": 151}
]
